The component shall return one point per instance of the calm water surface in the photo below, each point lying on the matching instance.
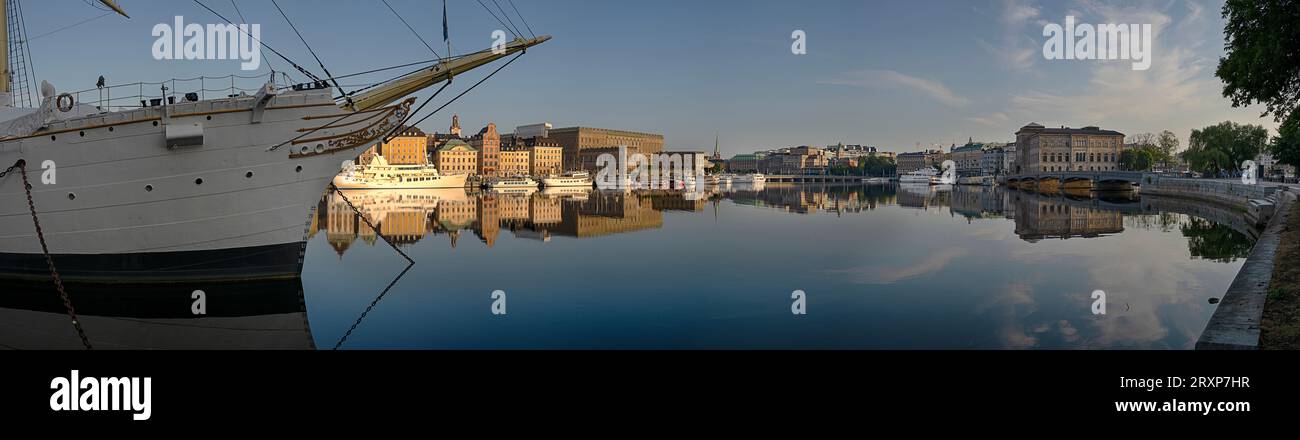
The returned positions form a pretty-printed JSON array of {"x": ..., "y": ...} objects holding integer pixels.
[{"x": 881, "y": 267}]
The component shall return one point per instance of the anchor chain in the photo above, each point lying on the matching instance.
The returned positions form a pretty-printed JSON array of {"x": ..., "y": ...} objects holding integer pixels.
[
  {"x": 365, "y": 218},
  {"x": 21, "y": 165}
]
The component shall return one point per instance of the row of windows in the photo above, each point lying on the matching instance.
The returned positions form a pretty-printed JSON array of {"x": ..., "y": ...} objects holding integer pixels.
[
  {"x": 1080, "y": 157},
  {"x": 1080, "y": 168}
]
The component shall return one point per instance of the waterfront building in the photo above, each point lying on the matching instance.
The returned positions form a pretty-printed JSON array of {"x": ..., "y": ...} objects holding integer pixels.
[
  {"x": 575, "y": 142},
  {"x": 368, "y": 155},
  {"x": 745, "y": 163},
  {"x": 992, "y": 160},
  {"x": 1008, "y": 158},
  {"x": 488, "y": 144},
  {"x": 968, "y": 158},
  {"x": 408, "y": 147},
  {"x": 1067, "y": 149},
  {"x": 545, "y": 159},
  {"x": 513, "y": 163},
  {"x": 909, "y": 162},
  {"x": 456, "y": 157}
]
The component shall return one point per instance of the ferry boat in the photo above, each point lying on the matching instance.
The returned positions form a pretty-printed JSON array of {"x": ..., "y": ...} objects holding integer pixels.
[
  {"x": 521, "y": 184},
  {"x": 717, "y": 179},
  {"x": 925, "y": 175},
  {"x": 755, "y": 178},
  {"x": 380, "y": 175},
  {"x": 184, "y": 186},
  {"x": 573, "y": 178}
]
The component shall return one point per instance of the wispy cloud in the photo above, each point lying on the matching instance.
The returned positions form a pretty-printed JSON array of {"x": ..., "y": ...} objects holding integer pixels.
[
  {"x": 997, "y": 119},
  {"x": 876, "y": 274},
  {"x": 1017, "y": 50},
  {"x": 889, "y": 79}
]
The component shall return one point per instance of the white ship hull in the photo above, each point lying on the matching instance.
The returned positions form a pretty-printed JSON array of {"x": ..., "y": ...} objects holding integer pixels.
[{"x": 124, "y": 205}]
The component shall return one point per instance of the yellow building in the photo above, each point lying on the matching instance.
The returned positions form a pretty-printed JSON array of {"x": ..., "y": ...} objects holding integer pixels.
[
  {"x": 513, "y": 163},
  {"x": 456, "y": 157},
  {"x": 546, "y": 160},
  {"x": 409, "y": 147}
]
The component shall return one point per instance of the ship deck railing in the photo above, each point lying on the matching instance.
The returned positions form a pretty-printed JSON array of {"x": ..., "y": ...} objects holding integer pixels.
[{"x": 136, "y": 95}]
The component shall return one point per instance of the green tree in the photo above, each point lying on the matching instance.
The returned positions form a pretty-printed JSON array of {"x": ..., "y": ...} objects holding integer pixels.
[
  {"x": 1262, "y": 64},
  {"x": 1224, "y": 146},
  {"x": 1286, "y": 146},
  {"x": 1139, "y": 158},
  {"x": 1262, "y": 48},
  {"x": 1167, "y": 142}
]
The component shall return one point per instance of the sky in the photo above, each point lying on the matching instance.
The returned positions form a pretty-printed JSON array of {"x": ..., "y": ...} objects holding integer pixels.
[{"x": 898, "y": 75}]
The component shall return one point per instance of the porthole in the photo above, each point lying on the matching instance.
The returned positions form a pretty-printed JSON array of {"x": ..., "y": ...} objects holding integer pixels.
[
  {"x": 155, "y": 123},
  {"x": 72, "y": 196},
  {"x": 53, "y": 138},
  {"x": 209, "y": 117},
  {"x": 198, "y": 181},
  {"x": 320, "y": 148},
  {"x": 303, "y": 149},
  {"x": 248, "y": 175},
  {"x": 110, "y": 129},
  {"x": 298, "y": 169},
  {"x": 82, "y": 133},
  {"x": 148, "y": 188}
]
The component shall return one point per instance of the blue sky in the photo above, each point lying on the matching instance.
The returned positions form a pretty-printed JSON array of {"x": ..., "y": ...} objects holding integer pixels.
[{"x": 896, "y": 74}]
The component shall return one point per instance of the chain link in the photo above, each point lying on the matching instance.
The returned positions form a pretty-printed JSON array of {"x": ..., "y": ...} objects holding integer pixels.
[{"x": 21, "y": 165}]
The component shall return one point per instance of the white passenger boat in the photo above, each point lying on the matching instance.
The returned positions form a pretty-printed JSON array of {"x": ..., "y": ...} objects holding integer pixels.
[
  {"x": 380, "y": 175},
  {"x": 925, "y": 175},
  {"x": 752, "y": 179},
  {"x": 573, "y": 178},
  {"x": 513, "y": 185}
]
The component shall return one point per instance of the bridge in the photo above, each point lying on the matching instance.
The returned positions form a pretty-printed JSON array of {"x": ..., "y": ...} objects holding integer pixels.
[
  {"x": 817, "y": 178},
  {"x": 1083, "y": 180}
]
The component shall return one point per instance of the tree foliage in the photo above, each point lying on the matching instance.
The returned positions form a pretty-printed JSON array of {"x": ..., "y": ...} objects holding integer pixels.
[
  {"x": 1262, "y": 64},
  {"x": 1225, "y": 146}
]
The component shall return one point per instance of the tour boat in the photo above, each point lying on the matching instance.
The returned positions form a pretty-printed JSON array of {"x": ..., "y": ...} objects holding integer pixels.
[
  {"x": 925, "y": 175},
  {"x": 717, "y": 179},
  {"x": 184, "y": 185},
  {"x": 521, "y": 184},
  {"x": 573, "y": 178},
  {"x": 755, "y": 178},
  {"x": 380, "y": 175}
]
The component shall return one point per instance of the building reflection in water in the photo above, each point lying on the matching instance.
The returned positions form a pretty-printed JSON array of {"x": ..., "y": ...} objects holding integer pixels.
[{"x": 406, "y": 217}]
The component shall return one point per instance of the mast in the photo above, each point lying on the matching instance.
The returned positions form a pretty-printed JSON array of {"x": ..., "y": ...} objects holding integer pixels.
[
  {"x": 5, "y": 86},
  {"x": 424, "y": 78},
  {"x": 15, "y": 58}
]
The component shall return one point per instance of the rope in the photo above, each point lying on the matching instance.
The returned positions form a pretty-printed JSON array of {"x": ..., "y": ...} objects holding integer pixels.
[
  {"x": 494, "y": 72},
  {"x": 309, "y": 49},
  {"x": 259, "y": 41},
  {"x": 521, "y": 18},
  {"x": 507, "y": 16},
  {"x": 408, "y": 26},
  {"x": 242, "y": 19},
  {"x": 401, "y": 125},
  {"x": 21, "y": 165},
  {"x": 494, "y": 15}
]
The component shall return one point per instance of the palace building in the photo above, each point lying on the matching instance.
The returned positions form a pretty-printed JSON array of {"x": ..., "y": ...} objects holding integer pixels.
[{"x": 1041, "y": 149}]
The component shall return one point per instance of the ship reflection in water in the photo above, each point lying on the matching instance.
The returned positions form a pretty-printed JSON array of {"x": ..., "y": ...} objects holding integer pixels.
[{"x": 884, "y": 266}]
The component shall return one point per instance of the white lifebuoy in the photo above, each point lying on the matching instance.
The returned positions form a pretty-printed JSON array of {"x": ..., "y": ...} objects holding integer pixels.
[{"x": 63, "y": 99}]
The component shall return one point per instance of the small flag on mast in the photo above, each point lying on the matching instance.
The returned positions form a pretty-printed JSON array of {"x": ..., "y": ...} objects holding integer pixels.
[{"x": 445, "y": 36}]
